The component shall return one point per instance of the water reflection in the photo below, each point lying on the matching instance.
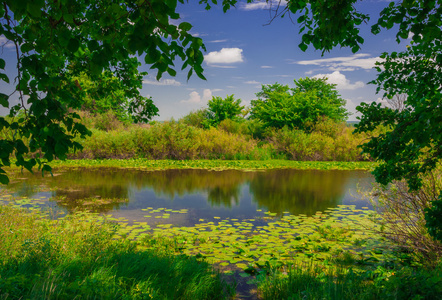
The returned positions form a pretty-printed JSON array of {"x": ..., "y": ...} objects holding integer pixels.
[
  {"x": 204, "y": 193},
  {"x": 298, "y": 191}
]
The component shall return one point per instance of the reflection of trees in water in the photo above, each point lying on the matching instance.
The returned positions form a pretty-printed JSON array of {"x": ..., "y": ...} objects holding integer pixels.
[
  {"x": 171, "y": 183},
  {"x": 224, "y": 196},
  {"x": 276, "y": 190},
  {"x": 99, "y": 199},
  {"x": 298, "y": 191},
  {"x": 97, "y": 191},
  {"x": 76, "y": 187}
]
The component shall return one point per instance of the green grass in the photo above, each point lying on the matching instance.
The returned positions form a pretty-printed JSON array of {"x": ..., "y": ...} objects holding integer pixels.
[
  {"x": 75, "y": 257},
  {"x": 343, "y": 282}
]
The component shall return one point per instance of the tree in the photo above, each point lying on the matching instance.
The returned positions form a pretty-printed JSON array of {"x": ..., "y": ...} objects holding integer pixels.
[
  {"x": 414, "y": 145},
  {"x": 58, "y": 40},
  {"x": 108, "y": 94},
  {"x": 220, "y": 109},
  {"x": 300, "y": 107}
]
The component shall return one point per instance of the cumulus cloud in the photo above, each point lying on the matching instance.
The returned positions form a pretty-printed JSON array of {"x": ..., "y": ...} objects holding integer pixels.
[
  {"x": 266, "y": 67},
  {"x": 196, "y": 98},
  {"x": 224, "y": 56},
  {"x": 345, "y": 63},
  {"x": 341, "y": 81},
  {"x": 172, "y": 82},
  {"x": 252, "y": 82},
  {"x": 263, "y": 5}
]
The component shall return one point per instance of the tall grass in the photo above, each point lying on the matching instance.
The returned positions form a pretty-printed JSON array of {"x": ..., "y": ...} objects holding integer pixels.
[
  {"x": 343, "y": 282},
  {"x": 76, "y": 258},
  {"x": 184, "y": 139}
]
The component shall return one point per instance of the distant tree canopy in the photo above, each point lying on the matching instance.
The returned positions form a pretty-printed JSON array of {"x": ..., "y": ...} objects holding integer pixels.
[
  {"x": 299, "y": 107},
  {"x": 220, "y": 109}
]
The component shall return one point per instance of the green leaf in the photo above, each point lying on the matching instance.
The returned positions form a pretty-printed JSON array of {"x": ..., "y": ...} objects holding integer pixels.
[
  {"x": 4, "y": 77},
  {"x": 93, "y": 45},
  {"x": 33, "y": 8},
  {"x": 189, "y": 74},
  {"x": 185, "y": 26},
  {"x": 4, "y": 179},
  {"x": 303, "y": 47},
  {"x": 46, "y": 168},
  {"x": 4, "y": 100},
  {"x": 171, "y": 72},
  {"x": 73, "y": 45},
  {"x": 2, "y": 64}
]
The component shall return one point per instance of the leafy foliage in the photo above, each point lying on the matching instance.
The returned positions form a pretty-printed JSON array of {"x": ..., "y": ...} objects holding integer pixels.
[
  {"x": 108, "y": 93},
  {"x": 57, "y": 41},
  {"x": 300, "y": 107},
  {"x": 414, "y": 144},
  {"x": 220, "y": 109}
]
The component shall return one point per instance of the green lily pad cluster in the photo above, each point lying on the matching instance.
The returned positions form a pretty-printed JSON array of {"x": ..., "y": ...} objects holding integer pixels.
[
  {"x": 148, "y": 164},
  {"x": 253, "y": 244}
]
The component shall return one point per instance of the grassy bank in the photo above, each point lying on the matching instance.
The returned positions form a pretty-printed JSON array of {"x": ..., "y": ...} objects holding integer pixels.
[
  {"x": 336, "y": 255},
  {"x": 76, "y": 258}
]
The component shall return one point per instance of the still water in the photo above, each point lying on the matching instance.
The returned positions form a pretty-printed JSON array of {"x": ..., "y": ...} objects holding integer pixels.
[{"x": 197, "y": 194}]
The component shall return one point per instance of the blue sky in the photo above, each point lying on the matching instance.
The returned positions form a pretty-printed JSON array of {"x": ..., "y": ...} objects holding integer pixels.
[{"x": 244, "y": 52}]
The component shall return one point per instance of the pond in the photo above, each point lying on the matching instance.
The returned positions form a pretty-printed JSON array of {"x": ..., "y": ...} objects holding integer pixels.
[{"x": 187, "y": 197}]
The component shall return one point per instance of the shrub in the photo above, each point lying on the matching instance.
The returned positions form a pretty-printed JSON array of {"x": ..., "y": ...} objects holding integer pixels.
[
  {"x": 195, "y": 118},
  {"x": 402, "y": 214},
  {"x": 337, "y": 145}
]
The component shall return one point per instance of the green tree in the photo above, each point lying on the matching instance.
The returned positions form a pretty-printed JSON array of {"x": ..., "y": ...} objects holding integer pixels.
[
  {"x": 109, "y": 94},
  {"x": 300, "y": 107},
  {"x": 414, "y": 144},
  {"x": 57, "y": 41},
  {"x": 220, "y": 109}
]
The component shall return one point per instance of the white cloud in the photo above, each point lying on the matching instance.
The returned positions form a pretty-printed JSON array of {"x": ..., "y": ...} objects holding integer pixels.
[
  {"x": 4, "y": 42},
  {"x": 217, "y": 90},
  {"x": 224, "y": 56},
  {"x": 162, "y": 82},
  {"x": 266, "y": 67},
  {"x": 252, "y": 82},
  {"x": 263, "y": 5},
  {"x": 195, "y": 98},
  {"x": 217, "y": 41},
  {"x": 348, "y": 63},
  {"x": 207, "y": 95},
  {"x": 341, "y": 81},
  {"x": 223, "y": 67}
]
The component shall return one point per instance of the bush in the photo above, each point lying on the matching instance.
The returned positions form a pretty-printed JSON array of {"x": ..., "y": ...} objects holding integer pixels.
[
  {"x": 195, "y": 118},
  {"x": 327, "y": 142},
  {"x": 402, "y": 214}
]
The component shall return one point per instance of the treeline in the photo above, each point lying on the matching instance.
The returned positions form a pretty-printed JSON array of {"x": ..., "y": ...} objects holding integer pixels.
[
  {"x": 189, "y": 138},
  {"x": 304, "y": 123}
]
